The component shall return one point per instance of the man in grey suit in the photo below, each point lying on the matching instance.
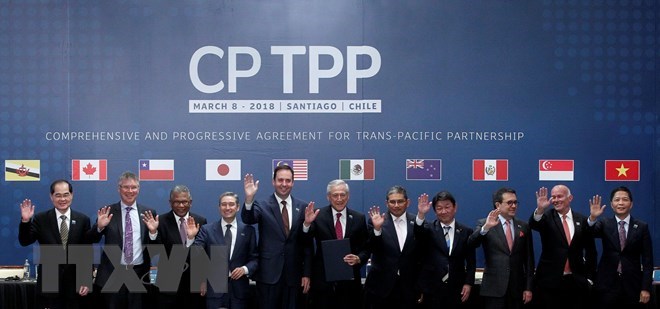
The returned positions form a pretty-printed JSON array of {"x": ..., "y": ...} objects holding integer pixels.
[{"x": 508, "y": 251}]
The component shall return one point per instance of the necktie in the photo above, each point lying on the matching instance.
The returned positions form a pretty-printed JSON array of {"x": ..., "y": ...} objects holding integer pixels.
[
  {"x": 401, "y": 232},
  {"x": 509, "y": 235},
  {"x": 64, "y": 231},
  {"x": 622, "y": 240},
  {"x": 622, "y": 234},
  {"x": 448, "y": 241},
  {"x": 285, "y": 218},
  {"x": 228, "y": 240},
  {"x": 338, "y": 230},
  {"x": 128, "y": 237},
  {"x": 567, "y": 231},
  {"x": 182, "y": 230}
]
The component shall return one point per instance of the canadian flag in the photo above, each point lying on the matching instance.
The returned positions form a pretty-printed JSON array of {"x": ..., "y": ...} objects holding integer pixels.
[{"x": 89, "y": 170}]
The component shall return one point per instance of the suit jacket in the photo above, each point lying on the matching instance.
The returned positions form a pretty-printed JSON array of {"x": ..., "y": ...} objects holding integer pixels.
[
  {"x": 323, "y": 228},
  {"x": 436, "y": 261},
  {"x": 581, "y": 253},
  {"x": 636, "y": 257},
  {"x": 389, "y": 262},
  {"x": 168, "y": 236},
  {"x": 504, "y": 266},
  {"x": 44, "y": 228},
  {"x": 168, "y": 230},
  {"x": 281, "y": 257},
  {"x": 114, "y": 236},
  {"x": 244, "y": 253}
]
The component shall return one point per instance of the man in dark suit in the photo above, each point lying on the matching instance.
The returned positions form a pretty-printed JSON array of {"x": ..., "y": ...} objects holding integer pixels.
[
  {"x": 508, "y": 252},
  {"x": 334, "y": 222},
  {"x": 568, "y": 256},
  {"x": 625, "y": 271},
  {"x": 284, "y": 253},
  {"x": 57, "y": 226},
  {"x": 243, "y": 255},
  {"x": 394, "y": 261},
  {"x": 172, "y": 231},
  {"x": 123, "y": 229},
  {"x": 448, "y": 263}
]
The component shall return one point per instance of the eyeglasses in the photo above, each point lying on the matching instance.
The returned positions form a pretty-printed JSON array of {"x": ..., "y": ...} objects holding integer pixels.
[
  {"x": 394, "y": 202},
  {"x": 184, "y": 203},
  {"x": 510, "y": 203}
]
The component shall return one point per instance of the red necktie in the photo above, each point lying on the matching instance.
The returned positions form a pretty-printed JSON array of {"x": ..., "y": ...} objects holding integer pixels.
[
  {"x": 338, "y": 229},
  {"x": 509, "y": 236},
  {"x": 567, "y": 231},
  {"x": 285, "y": 218}
]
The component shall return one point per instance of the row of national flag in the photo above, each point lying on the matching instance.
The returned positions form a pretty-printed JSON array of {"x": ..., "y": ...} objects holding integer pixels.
[{"x": 349, "y": 169}]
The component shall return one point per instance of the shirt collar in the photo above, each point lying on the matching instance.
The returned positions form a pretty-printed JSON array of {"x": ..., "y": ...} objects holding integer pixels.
[
  {"x": 67, "y": 213},
  {"x": 626, "y": 219},
  {"x": 569, "y": 215},
  {"x": 233, "y": 222}
]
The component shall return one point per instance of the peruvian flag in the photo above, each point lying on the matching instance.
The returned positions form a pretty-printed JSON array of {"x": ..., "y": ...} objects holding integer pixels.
[{"x": 490, "y": 170}]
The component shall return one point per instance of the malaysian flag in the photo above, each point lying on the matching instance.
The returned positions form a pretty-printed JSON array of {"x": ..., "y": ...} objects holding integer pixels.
[{"x": 300, "y": 167}]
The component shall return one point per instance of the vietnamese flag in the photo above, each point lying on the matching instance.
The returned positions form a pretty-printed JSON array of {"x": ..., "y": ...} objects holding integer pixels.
[{"x": 621, "y": 170}]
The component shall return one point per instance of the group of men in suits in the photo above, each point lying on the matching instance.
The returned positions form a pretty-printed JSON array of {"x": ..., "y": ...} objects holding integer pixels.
[{"x": 413, "y": 262}]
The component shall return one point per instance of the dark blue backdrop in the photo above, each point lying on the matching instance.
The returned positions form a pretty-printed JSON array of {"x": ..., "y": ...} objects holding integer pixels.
[{"x": 577, "y": 78}]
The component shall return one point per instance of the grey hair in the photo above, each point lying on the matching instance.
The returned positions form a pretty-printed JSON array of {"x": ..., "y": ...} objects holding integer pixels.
[
  {"x": 180, "y": 189},
  {"x": 336, "y": 182}
]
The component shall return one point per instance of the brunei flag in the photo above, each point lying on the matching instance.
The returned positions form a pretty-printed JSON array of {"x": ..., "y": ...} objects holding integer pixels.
[{"x": 22, "y": 170}]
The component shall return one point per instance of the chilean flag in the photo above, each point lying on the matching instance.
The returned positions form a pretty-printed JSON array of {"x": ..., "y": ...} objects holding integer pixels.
[{"x": 157, "y": 170}]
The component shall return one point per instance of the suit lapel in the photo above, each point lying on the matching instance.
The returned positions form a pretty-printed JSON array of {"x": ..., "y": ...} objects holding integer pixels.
[
  {"x": 614, "y": 233},
  {"x": 171, "y": 225},
  {"x": 52, "y": 225},
  {"x": 277, "y": 214},
  {"x": 116, "y": 212},
  {"x": 501, "y": 237},
  {"x": 632, "y": 234},
  {"x": 295, "y": 214},
  {"x": 74, "y": 228},
  {"x": 240, "y": 238},
  {"x": 349, "y": 224},
  {"x": 440, "y": 236},
  {"x": 391, "y": 230},
  {"x": 559, "y": 225}
]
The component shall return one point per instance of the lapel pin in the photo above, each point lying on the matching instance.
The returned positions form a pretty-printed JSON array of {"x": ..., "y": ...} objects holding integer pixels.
[
  {"x": 634, "y": 226},
  {"x": 73, "y": 222}
]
